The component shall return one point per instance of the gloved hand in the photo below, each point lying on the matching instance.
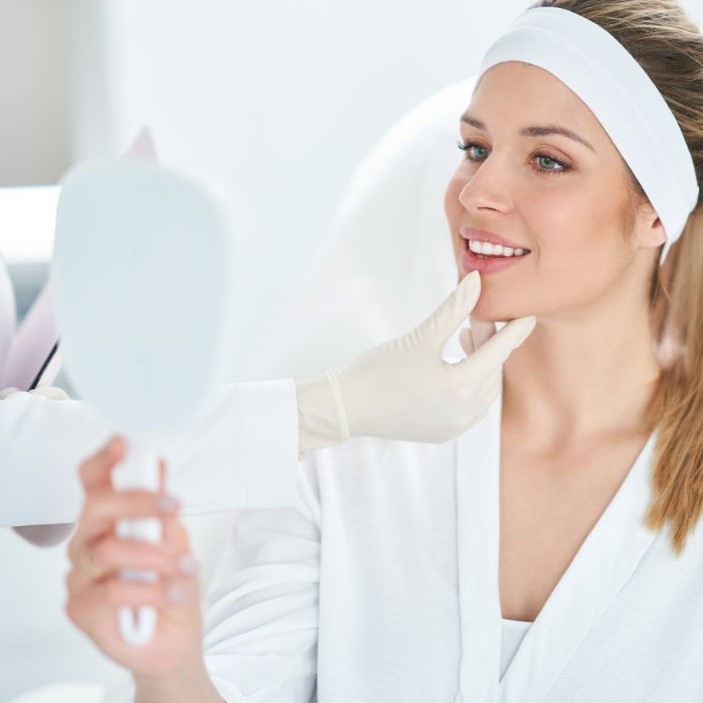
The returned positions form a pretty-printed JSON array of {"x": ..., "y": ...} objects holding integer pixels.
[{"x": 404, "y": 390}]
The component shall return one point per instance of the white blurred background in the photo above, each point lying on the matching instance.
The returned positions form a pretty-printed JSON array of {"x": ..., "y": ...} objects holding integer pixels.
[{"x": 276, "y": 99}]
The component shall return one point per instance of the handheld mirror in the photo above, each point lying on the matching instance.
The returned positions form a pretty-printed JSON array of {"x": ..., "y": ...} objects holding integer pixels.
[{"x": 141, "y": 273}]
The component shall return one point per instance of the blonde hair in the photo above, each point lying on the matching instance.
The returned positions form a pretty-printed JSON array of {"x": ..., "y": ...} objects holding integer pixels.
[{"x": 669, "y": 47}]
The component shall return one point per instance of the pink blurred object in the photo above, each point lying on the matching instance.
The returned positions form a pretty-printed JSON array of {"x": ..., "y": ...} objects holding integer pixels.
[
  {"x": 143, "y": 146},
  {"x": 28, "y": 355},
  {"x": 8, "y": 314}
]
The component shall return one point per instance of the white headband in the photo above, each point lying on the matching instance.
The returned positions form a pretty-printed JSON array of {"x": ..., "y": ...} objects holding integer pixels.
[{"x": 595, "y": 66}]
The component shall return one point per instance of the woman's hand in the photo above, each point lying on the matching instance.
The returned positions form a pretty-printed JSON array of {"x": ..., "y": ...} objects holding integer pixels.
[{"x": 95, "y": 591}]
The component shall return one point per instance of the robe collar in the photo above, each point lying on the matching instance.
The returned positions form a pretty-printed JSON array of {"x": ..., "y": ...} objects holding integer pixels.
[{"x": 603, "y": 564}]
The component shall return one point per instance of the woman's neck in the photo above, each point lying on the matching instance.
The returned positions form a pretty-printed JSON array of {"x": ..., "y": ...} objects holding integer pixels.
[{"x": 574, "y": 379}]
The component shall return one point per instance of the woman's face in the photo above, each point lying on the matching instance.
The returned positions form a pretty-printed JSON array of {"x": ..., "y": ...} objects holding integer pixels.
[{"x": 563, "y": 200}]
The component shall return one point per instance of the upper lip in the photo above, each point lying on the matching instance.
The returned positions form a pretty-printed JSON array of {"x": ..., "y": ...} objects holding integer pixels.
[{"x": 483, "y": 235}]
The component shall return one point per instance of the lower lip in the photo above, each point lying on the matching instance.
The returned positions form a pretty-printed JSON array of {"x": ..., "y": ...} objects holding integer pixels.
[{"x": 491, "y": 264}]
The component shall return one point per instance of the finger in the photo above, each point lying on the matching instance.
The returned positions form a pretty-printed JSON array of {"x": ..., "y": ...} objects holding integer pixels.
[
  {"x": 471, "y": 338},
  {"x": 7, "y": 392},
  {"x": 174, "y": 532},
  {"x": 481, "y": 331},
  {"x": 103, "y": 509},
  {"x": 112, "y": 555},
  {"x": 108, "y": 506},
  {"x": 95, "y": 611},
  {"x": 117, "y": 592},
  {"x": 454, "y": 310},
  {"x": 95, "y": 470},
  {"x": 162, "y": 475},
  {"x": 497, "y": 349},
  {"x": 466, "y": 341}
]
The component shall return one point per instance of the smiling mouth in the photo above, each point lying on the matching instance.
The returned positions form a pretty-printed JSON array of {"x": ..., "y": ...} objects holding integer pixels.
[{"x": 486, "y": 250}]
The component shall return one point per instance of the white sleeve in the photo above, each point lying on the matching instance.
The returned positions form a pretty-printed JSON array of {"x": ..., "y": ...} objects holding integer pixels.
[
  {"x": 261, "y": 624},
  {"x": 245, "y": 453}
]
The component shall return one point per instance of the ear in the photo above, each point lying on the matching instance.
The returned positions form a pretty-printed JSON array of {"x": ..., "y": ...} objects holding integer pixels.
[{"x": 651, "y": 232}]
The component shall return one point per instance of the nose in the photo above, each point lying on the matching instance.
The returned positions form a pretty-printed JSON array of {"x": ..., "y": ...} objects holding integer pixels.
[{"x": 487, "y": 188}]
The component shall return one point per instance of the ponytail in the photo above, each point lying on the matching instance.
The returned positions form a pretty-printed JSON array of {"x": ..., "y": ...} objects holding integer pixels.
[{"x": 677, "y": 404}]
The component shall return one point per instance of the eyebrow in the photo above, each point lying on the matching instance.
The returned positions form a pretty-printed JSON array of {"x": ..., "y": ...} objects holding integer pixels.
[{"x": 535, "y": 131}]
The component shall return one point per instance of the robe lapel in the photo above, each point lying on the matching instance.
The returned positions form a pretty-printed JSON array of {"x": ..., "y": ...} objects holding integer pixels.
[
  {"x": 601, "y": 567},
  {"x": 603, "y": 564},
  {"x": 478, "y": 481}
]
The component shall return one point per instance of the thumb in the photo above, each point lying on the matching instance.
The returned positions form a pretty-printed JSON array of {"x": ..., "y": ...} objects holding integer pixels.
[
  {"x": 481, "y": 331},
  {"x": 476, "y": 334},
  {"x": 444, "y": 321},
  {"x": 497, "y": 349}
]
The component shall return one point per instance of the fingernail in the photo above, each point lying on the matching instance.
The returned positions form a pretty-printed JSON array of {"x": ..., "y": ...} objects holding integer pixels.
[
  {"x": 166, "y": 504},
  {"x": 175, "y": 594},
  {"x": 187, "y": 565}
]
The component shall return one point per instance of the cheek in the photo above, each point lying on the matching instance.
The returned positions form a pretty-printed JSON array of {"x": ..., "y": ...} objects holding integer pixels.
[
  {"x": 576, "y": 227},
  {"x": 454, "y": 212},
  {"x": 578, "y": 257}
]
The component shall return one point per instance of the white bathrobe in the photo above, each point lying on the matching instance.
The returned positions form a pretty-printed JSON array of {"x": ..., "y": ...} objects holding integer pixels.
[
  {"x": 381, "y": 586},
  {"x": 244, "y": 453}
]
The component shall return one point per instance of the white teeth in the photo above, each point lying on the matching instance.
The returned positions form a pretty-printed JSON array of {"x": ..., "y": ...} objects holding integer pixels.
[{"x": 488, "y": 249}]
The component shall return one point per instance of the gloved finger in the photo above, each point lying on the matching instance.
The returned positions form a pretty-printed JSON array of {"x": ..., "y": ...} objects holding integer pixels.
[
  {"x": 444, "y": 321},
  {"x": 497, "y": 349},
  {"x": 5, "y": 392},
  {"x": 481, "y": 331},
  {"x": 490, "y": 391},
  {"x": 466, "y": 341},
  {"x": 471, "y": 338},
  {"x": 50, "y": 392}
]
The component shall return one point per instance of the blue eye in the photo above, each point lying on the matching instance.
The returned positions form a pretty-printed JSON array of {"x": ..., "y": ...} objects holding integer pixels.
[
  {"x": 544, "y": 159},
  {"x": 547, "y": 164},
  {"x": 468, "y": 147}
]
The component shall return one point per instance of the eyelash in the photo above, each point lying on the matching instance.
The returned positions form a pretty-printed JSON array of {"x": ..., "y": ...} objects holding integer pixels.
[{"x": 466, "y": 146}]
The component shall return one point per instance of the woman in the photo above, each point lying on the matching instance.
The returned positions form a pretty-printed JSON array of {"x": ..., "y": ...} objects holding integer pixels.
[{"x": 515, "y": 563}]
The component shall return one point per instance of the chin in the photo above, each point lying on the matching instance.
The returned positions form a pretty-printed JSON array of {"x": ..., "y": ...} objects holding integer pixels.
[
  {"x": 492, "y": 310},
  {"x": 496, "y": 305}
]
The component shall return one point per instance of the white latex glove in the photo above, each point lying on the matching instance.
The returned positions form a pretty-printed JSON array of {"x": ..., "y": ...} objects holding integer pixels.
[
  {"x": 404, "y": 390},
  {"x": 42, "y": 535}
]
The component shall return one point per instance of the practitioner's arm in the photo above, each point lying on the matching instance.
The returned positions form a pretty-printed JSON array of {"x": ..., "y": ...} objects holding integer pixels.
[
  {"x": 244, "y": 454},
  {"x": 42, "y": 535}
]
